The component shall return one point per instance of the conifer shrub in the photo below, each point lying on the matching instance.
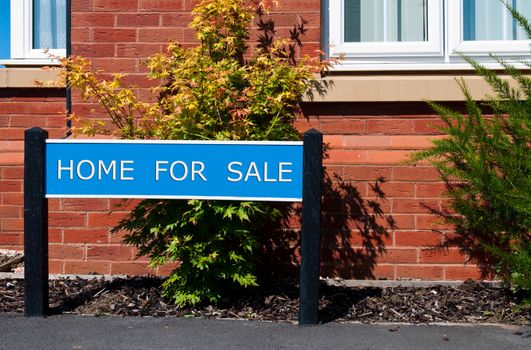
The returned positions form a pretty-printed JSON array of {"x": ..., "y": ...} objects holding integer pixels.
[
  {"x": 221, "y": 89},
  {"x": 486, "y": 164}
]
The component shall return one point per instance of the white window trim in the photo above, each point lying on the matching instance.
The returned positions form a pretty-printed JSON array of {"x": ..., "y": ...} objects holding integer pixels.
[
  {"x": 22, "y": 52},
  {"x": 338, "y": 45},
  {"x": 443, "y": 54}
]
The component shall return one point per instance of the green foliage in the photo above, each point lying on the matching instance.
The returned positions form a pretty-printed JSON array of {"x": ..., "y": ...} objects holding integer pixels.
[
  {"x": 486, "y": 164},
  {"x": 516, "y": 267},
  {"x": 217, "y": 90},
  {"x": 214, "y": 242}
]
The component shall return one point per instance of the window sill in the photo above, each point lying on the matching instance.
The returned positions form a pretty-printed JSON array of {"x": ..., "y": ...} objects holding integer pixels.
[
  {"x": 416, "y": 64},
  {"x": 398, "y": 87},
  {"x": 26, "y": 77},
  {"x": 35, "y": 62}
]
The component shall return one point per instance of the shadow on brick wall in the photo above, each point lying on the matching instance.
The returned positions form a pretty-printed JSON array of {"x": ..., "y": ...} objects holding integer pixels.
[
  {"x": 354, "y": 236},
  {"x": 354, "y": 229},
  {"x": 470, "y": 241}
]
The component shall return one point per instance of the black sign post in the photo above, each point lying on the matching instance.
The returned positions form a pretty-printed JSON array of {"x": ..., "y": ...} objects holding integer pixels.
[
  {"x": 311, "y": 228},
  {"x": 35, "y": 224}
]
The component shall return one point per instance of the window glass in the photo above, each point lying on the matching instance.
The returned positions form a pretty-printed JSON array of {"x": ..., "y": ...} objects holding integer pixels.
[
  {"x": 490, "y": 20},
  {"x": 385, "y": 20},
  {"x": 49, "y": 24}
]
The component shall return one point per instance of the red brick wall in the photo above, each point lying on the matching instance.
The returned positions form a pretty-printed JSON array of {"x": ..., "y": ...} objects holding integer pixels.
[
  {"x": 21, "y": 109},
  {"x": 118, "y": 34},
  {"x": 360, "y": 148}
]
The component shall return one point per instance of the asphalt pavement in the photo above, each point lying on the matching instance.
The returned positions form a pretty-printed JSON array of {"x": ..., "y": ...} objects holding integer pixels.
[{"x": 84, "y": 332}]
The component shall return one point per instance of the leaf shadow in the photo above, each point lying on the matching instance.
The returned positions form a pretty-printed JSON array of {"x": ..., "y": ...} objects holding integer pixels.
[{"x": 472, "y": 243}]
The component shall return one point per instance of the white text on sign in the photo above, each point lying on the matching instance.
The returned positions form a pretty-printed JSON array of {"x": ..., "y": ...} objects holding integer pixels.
[{"x": 177, "y": 170}]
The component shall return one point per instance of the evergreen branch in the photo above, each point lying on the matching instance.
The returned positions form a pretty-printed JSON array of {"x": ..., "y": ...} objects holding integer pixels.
[
  {"x": 500, "y": 86},
  {"x": 522, "y": 21}
]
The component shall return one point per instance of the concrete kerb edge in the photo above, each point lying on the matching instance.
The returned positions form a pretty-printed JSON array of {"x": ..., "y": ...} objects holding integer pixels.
[
  {"x": 17, "y": 275},
  {"x": 406, "y": 283},
  {"x": 331, "y": 282}
]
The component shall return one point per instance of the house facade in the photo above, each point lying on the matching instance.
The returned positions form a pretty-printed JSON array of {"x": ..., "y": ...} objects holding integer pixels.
[{"x": 395, "y": 55}]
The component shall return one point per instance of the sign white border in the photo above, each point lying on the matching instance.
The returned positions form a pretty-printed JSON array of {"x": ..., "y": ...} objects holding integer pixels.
[
  {"x": 243, "y": 199},
  {"x": 179, "y": 142}
]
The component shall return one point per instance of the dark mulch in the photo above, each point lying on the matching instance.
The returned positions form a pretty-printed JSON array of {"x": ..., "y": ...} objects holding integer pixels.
[{"x": 140, "y": 296}]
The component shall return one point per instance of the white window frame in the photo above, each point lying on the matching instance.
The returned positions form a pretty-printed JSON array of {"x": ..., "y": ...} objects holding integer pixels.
[
  {"x": 440, "y": 52},
  {"x": 22, "y": 51}
]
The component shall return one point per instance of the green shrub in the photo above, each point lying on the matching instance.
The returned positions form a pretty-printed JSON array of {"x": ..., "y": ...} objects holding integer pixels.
[
  {"x": 214, "y": 242},
  {"x": 217, "y": 90},
  {"x": 486, "y": 164}
]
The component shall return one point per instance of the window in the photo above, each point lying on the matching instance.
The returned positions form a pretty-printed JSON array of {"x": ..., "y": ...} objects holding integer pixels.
[
  {"x": 37, "y": 27},
  {"x": 372, "y": 28},
  {"x": 418, "y": 34},
  {"x": 484, "y": 26}
]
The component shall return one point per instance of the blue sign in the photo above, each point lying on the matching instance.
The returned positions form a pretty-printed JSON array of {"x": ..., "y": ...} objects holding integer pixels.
[{"x": 230, "y": 170}]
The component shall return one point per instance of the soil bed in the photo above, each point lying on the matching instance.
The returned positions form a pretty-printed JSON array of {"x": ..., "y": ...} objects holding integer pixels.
[{"x": 140, "y": 296}]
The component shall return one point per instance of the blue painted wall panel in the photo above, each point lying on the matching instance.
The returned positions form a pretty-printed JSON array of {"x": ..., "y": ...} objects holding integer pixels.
[{"x": 4, "y": 29}]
